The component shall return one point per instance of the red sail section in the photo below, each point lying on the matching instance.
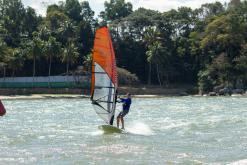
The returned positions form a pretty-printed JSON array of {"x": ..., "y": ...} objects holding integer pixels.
[
  {"x": 2, "y": 109},
  {"x": 103, "y": 54}
]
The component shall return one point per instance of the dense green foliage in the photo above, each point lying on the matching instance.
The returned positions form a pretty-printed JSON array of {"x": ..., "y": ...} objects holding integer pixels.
[
  {"x": 206, "y": 46},
  {"x": 126, "y": 78}
]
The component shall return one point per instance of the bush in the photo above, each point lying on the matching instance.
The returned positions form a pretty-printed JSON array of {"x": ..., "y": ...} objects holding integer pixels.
[
  {"x": 126, "y": 78},
  {"x": 205, "y": 82},
  {"x": 193, "y": 91}
]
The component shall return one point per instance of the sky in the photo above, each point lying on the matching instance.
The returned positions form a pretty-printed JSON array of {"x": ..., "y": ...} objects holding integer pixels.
[{"x": 98, "y": 5}]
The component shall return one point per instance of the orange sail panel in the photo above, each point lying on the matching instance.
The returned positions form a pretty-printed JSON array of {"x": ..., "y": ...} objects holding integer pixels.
[{"x": 104, "y": 76}]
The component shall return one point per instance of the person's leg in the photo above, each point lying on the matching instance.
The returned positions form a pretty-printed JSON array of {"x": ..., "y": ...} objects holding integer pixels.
[
  {"x": 122, "y": 121},
  {"x": 118, "y": 122},
  {"x": 118, "y": 119},
  {"x": 122, "y": 118}
]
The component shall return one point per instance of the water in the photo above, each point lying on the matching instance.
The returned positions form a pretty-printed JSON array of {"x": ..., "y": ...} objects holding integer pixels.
[{"x": 170, "y": 130}]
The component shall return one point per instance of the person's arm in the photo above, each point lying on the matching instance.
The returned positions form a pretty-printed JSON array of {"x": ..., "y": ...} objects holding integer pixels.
[
  {"x": 122, "y": 100},
  {"x": 118, "y": 101}
]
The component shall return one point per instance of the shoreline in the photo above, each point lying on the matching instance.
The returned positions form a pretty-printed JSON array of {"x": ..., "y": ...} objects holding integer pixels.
[
  {"x": 140, "y": 91},
  {"x": 65, "y": 96},
  {"x": 41, "y": 96},
  {"x": 75, "y": 96}
]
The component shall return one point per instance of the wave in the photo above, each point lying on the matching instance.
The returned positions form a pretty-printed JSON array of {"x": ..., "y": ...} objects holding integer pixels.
[
  {"x": 140, "y": 128},
  {"x": 239, "y": 162}
]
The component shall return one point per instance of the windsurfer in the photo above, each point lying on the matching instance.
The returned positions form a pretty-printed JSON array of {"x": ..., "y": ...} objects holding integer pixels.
[{"x": 126, "y": 106}]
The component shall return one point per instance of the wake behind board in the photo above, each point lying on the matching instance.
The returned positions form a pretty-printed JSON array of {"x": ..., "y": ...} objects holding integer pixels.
[{"x": 110, "y": 129}]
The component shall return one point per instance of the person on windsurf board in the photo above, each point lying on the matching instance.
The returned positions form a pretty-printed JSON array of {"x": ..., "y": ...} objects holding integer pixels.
[{"x": 126, "y": 107}]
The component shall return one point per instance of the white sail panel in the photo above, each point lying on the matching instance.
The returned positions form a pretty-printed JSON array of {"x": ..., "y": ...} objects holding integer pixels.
[{"x": 104, "y": 94}]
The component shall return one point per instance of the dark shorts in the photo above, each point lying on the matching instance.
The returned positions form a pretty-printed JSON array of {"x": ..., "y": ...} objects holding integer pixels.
[{"x": 122, "y": 113}]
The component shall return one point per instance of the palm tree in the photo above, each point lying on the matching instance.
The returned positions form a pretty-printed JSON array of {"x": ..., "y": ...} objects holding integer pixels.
[
  {"x": 35, "y": 50},
  {"x": 87, "y": 62},
  {"x": 151, "y": 35},
  {"x": 155, "y": 55},
  {"x": 3, "y": 66},
  {"x": 52, "y": 48},
  {"x": 70, "y": 55},
  {"x": 15, "y": 60},
  {"x": 67, "y": 31},
  {"x": 4, "y": 52}
]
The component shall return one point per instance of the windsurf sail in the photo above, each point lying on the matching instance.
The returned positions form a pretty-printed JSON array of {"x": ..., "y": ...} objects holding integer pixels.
[
  {"x": 104, "y": 76},
  {"x": 2, "y": 109}
]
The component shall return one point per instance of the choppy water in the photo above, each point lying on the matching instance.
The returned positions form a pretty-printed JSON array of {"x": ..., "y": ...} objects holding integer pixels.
[{"x": 170, "y": 130}]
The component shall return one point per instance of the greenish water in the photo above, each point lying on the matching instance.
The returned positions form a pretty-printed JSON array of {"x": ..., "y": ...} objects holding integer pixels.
[{"x": 170, "y": 130}]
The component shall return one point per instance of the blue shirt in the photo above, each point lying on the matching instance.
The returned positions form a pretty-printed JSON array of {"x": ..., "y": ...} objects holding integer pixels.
[{"x": 126, "y": 103}]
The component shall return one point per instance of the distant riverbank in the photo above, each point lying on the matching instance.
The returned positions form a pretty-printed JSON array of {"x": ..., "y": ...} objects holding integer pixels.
[
  {"x": 68, "y": 92},
  {"x": 41, "y": 96},
  {"x": 61, "y": 96},
  {"x": 77, "y": 96}
]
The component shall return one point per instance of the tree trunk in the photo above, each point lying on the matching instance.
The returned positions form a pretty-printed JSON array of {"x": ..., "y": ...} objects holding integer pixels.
[
  {"x": 67, "y": 68},
  {"x": 158, "y": 75},
  {"x": 149, "y": 73},
  {"x": 4, "y": 73},
  {"x": 34, "y": 66},
  {"x": 13, "y": 73},
  {"x": 49, "y": 83},
  {"x": 167, "y": 80}
]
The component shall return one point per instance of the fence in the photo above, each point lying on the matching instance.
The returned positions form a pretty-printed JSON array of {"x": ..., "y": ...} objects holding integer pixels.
[{"x": 46, "y": 82}]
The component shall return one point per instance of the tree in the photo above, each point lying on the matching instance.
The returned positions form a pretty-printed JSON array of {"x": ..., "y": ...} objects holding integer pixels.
[
  {"x": 55, "y": 19},
  {"x": 4, "y": 52},
  {"x": 116, "y": 9},
  {"x": 73, "y": 10},
  {"x": 70, "y": 54},
  {"x": 12, "y": 16},
  {"x": 66, "y": 32},
  {"x": 151, "y": 35},
  {"x": 151, "y": 58},
  {"x": 205, "y": 81},
  {"x": 234, "y": 3},
  {"x": 184, "y": 21},
  {"x": 52, "y": 49},
  {"x": 15, "y": 60},
  {"x": 208, "y": 10},
  {"x": 241, "y": 65},
  {"x": 31, "y": 21},
  {"x": 206, "y": 45},
  {"x": 87, "y": 62},
  {"x": 87, "y": 13},
  {"x": 35, "y": 50},
  {"x": 85, "y": 37}
]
